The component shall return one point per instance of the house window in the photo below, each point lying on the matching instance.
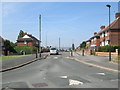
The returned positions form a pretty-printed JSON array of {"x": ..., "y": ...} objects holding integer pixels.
[
  {"x": 102, "y": 34},
  {"x": 102, "y": 44},
  {"x": 25, "y": 42},
  {"x": 106, "y": 43},
  {"x": 106, "y": 33},
  {"x": 36, "y": 42}
]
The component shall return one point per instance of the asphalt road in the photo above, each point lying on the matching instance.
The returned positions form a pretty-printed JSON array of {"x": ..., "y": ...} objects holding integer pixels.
[{"x": 57, "y": 71}]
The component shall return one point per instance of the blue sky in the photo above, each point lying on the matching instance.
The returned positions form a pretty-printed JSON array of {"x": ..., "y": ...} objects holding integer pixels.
[{"x": 73, "y": 22}]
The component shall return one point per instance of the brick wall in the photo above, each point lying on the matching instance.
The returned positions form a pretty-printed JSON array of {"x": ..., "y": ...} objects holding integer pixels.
[
  {"x": 107, "y": 53},
  {"x": 115, "y": 38}
]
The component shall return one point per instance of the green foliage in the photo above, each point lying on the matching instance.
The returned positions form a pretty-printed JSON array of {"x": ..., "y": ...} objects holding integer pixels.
[
  {"x": 70, "y": 49},
  {"x": 21, "y": 34},
  {"x": 26, "y": 49},
  {"x": 11, "y": 57},
  {"x": 93, "y": 53},
  {"x": 73, "y": 47},
  {"x": 9, "y": 46},
  {"x": 12, "y": 44},
  {"x": 83, "y": 44},
  {"x": 108, "y": 47}
]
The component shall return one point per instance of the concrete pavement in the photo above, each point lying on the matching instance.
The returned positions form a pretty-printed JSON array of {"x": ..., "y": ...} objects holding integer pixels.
[
  {"x": 18, "y": 62},
  {"x": 96, "y": 60}
]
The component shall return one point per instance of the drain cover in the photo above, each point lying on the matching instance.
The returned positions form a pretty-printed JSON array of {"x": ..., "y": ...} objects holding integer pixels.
[{"x": 39, "y": 85}]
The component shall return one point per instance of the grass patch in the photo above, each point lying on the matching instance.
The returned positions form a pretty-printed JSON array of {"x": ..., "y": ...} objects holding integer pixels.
[
  {"x": 11, "y": 57},
  {"x": 118, "y": 58}
]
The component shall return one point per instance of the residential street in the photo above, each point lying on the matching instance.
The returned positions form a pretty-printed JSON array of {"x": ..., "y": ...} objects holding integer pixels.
[{"x": 59, "y": 71}]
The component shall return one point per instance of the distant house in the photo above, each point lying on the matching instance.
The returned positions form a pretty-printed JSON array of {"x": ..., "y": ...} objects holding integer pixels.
[
  {"x": 107, "y": 36},
  {"x": 1, "y": 46},
  {"x": 28, "y": 40}
]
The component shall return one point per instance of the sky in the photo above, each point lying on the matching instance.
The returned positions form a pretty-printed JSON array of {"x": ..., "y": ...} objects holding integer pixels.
[{"x": 72, "y": 22}]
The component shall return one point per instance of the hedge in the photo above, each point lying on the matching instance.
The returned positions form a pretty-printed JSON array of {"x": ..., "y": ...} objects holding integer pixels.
[
  {"x": 108, "y": 47},
  {"x": 26, "y": 49}
]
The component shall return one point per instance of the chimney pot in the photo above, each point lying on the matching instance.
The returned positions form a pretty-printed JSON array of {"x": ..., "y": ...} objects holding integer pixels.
[
  {"x": 95, "y": 33},
  {"x": 25, "y": 33},
  {"x": 102, "y": 27},
  {"x": 117, "y": 15},
  {"x": 30, "y": 34}
]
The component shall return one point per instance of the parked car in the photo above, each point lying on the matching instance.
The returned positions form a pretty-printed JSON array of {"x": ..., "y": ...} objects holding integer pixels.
[{"x": 53, "y": 51}]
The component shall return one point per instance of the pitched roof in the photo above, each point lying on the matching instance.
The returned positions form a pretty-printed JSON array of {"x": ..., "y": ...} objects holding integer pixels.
[
  {"x": 28, "y": 39},
  {"x": 114, "y": 25},
  {"x": 33, "y": 37},
  {"x": 1, "y": 39}
]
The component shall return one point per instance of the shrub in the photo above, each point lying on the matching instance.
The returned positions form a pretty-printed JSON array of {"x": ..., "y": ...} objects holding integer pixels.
[
  {"x": 26, "y": 49},
  {"x": 108, "y": 47}
]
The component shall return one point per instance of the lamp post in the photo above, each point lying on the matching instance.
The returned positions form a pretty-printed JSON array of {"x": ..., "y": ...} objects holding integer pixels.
[
  {"x": 109, "y": 30},
  {"x": 40, "y": 34}
]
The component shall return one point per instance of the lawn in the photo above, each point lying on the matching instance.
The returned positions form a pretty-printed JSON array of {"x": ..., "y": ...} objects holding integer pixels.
[{"x": 11, "y": 57}]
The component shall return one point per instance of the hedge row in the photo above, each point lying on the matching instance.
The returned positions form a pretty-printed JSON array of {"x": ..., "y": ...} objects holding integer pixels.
[
  {"x": 108, "y": 47},
  {"x": 26, "y": 49}
]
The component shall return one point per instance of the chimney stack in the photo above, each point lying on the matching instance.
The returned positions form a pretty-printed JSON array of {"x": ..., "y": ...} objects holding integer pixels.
[
  {"x": 30, "y": 34},
  {"x": 95, "y": 33},
  {"x": 117, "y": 15},
  {"x": 25, "y": 33},
  {"x": 102, "y": 27}
]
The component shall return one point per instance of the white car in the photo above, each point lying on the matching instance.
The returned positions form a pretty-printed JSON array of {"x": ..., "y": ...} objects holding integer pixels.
[{"x": 53, "y": 51}]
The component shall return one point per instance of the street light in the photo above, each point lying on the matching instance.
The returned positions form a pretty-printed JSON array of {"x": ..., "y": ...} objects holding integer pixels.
[
  {"x": 109, "y": 30},
  {"x": 109, "y": 13}
]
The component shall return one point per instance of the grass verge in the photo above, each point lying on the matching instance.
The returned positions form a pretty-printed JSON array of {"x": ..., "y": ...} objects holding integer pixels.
[{"x": 11, "y": 57}]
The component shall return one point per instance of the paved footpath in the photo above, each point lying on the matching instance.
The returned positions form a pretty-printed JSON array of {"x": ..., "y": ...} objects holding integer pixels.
[
  {"x": 19, "y": 61},
  {"x": 96, "y": 60}
]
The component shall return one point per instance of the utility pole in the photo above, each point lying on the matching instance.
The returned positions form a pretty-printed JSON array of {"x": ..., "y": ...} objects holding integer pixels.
[
  {"x": 46, "y": 39},
  {"x": 40, "y": 34},
  {"x": 59, "y": 43}
]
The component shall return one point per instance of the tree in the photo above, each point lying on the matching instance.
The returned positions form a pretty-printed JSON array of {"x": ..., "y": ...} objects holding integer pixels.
[
  {"x": 83, "y": 44},
  {"x": 9, "y": 46},
  {"x": 21, "y": 34},
  {"x": 73, "y": 46}
]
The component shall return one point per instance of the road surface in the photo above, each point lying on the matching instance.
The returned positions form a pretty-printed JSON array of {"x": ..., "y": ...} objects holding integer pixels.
[{"x": 57, "y": 71}]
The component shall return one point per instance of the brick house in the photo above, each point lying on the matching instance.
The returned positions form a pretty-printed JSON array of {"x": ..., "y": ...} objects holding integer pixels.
[
  {"x": 107, "y": 36},
  {"x": 28, "y": 40}
]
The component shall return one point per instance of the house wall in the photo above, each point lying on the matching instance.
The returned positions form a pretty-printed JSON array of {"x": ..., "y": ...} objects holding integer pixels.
[
  {"x": 22, "y": 44},
  {"x": 115, "y": 38},
  {"x": 97, "y": 42}
]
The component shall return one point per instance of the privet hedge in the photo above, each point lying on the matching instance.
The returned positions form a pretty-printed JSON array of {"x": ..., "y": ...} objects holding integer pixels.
[
  {"x": 26, "y": 49},
  {"x": 108, "y": 47}
]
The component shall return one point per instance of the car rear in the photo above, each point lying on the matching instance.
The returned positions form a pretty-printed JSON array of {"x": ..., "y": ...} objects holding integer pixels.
[{"x": 53, "y": 51}]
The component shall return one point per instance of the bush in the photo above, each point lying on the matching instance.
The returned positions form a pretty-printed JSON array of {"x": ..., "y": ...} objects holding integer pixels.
[
  {"x": 108, "y": 47},
  {"x": 26, "y": 49}
]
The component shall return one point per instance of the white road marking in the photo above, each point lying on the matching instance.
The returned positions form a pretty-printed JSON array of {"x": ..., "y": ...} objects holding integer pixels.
[
  {"x": 63, "y": 76},
  {"x": 55, "y": 57},
  {"x": 44, "y": 78},
  {"x": 101, "y": 74},
  {"x": 74, "y": 82}
]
